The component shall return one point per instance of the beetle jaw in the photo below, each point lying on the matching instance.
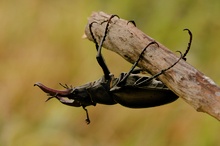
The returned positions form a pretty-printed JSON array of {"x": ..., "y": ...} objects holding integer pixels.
[{"x": 59, "y": 94}]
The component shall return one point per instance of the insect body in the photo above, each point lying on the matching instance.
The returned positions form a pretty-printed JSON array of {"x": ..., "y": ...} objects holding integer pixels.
[
  {"x": 132, "y": 89},
  {"x": 149, "y": 93}
]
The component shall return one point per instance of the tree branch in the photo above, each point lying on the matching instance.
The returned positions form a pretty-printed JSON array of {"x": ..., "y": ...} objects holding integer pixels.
[{"x": 183, "y": 79}]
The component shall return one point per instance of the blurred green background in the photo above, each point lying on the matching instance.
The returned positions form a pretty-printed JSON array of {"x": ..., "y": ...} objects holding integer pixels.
[{"x": 41, "y": 41}]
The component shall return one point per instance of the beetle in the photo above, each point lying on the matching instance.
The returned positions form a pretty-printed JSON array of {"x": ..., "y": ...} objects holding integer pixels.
[{"x": 132, "y": 89}]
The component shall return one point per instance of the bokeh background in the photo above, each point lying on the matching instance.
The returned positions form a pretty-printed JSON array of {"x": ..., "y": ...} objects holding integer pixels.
[{"x": 41, "y": 41}]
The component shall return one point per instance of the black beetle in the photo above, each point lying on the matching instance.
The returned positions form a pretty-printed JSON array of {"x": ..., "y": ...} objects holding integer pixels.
[{"x": 133, "y": 89}]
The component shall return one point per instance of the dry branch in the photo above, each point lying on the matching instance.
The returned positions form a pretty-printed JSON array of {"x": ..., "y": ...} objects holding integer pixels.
[{"x": 187, "y": 82}]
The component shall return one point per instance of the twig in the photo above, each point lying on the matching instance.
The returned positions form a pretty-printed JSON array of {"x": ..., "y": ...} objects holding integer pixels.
[{"x": 187, "y": 82}]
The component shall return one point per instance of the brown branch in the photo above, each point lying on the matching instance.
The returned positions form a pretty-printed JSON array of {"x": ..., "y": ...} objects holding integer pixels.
[{"x": 187, "y": 82}]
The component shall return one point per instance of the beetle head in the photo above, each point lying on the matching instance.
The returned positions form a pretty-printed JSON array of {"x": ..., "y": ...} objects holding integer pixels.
[
  {"x": 76, "y": 97},
  {"x": 61, "y": 95}
]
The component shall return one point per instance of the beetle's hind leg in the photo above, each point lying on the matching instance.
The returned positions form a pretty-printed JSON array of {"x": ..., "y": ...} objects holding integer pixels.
[
  {"x": 189, "y": 43},
  {"x": 164, "y": 70},
  {"x": 131, "y": 21},
  {"x": 161, "y": 72}
]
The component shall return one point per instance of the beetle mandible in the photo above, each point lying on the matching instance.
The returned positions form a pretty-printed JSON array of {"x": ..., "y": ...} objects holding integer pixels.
[{"x": 131, "y": 89}]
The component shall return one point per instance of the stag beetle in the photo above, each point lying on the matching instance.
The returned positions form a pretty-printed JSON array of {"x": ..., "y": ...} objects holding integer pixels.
[{"x": 132, "y": 89}]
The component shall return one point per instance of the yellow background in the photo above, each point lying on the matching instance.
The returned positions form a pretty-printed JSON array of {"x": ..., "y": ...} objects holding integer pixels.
[{"x": 40, "y": 41}]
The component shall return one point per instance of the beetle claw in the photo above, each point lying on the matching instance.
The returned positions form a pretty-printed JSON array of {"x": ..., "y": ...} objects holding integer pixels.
[{"x": 87, "y": 121}]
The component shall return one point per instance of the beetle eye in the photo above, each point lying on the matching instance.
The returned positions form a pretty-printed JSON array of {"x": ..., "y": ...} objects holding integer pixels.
[{"x": 75, "y": 91}]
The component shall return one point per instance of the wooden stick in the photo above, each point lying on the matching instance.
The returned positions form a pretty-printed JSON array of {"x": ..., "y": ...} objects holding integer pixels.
[{"x": 183, "y": 79}]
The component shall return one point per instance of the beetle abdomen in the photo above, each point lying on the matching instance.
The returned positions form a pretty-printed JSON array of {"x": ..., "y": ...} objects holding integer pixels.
[
  {"x": 139, "y": 91},
  {"x": 142, "y": 97}
]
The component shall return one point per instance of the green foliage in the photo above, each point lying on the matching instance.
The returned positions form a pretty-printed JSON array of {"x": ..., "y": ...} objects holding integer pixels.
[{"x": 41, "y": 41}]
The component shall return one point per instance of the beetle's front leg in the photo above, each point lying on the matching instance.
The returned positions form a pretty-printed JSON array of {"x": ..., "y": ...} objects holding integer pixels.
[
  {"x": 99, "y": 57},
  {"x": 87, "y": 115}
]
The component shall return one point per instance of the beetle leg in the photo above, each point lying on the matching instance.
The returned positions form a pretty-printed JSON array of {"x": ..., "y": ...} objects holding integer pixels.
[
  {"x": 136, "y": 63},
  {"x": 93, "y": 37},
  {"x": 189, "y": 43},
  {"x": 87, "y": 115},
  {"x": 99, "y": 54},
  {"x": 137, "y": 71},
  {"x": 139, "y": 58},
  {"x": 131, "y": 21},
  {"x": 49, "y": 98},
  {"x": 161, "y": 72},
  {"x": 99, "y": 57}
]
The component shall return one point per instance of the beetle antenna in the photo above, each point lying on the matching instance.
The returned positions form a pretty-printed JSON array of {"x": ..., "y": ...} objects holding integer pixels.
[
  {"x": 49, "y": 98},
  {"x": 189, "y": 43},
  {"x": 65, "y": 86}
]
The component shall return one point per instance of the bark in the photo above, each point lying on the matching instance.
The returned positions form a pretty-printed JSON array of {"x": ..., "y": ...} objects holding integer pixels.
[{"x": 183, "y": 79}]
